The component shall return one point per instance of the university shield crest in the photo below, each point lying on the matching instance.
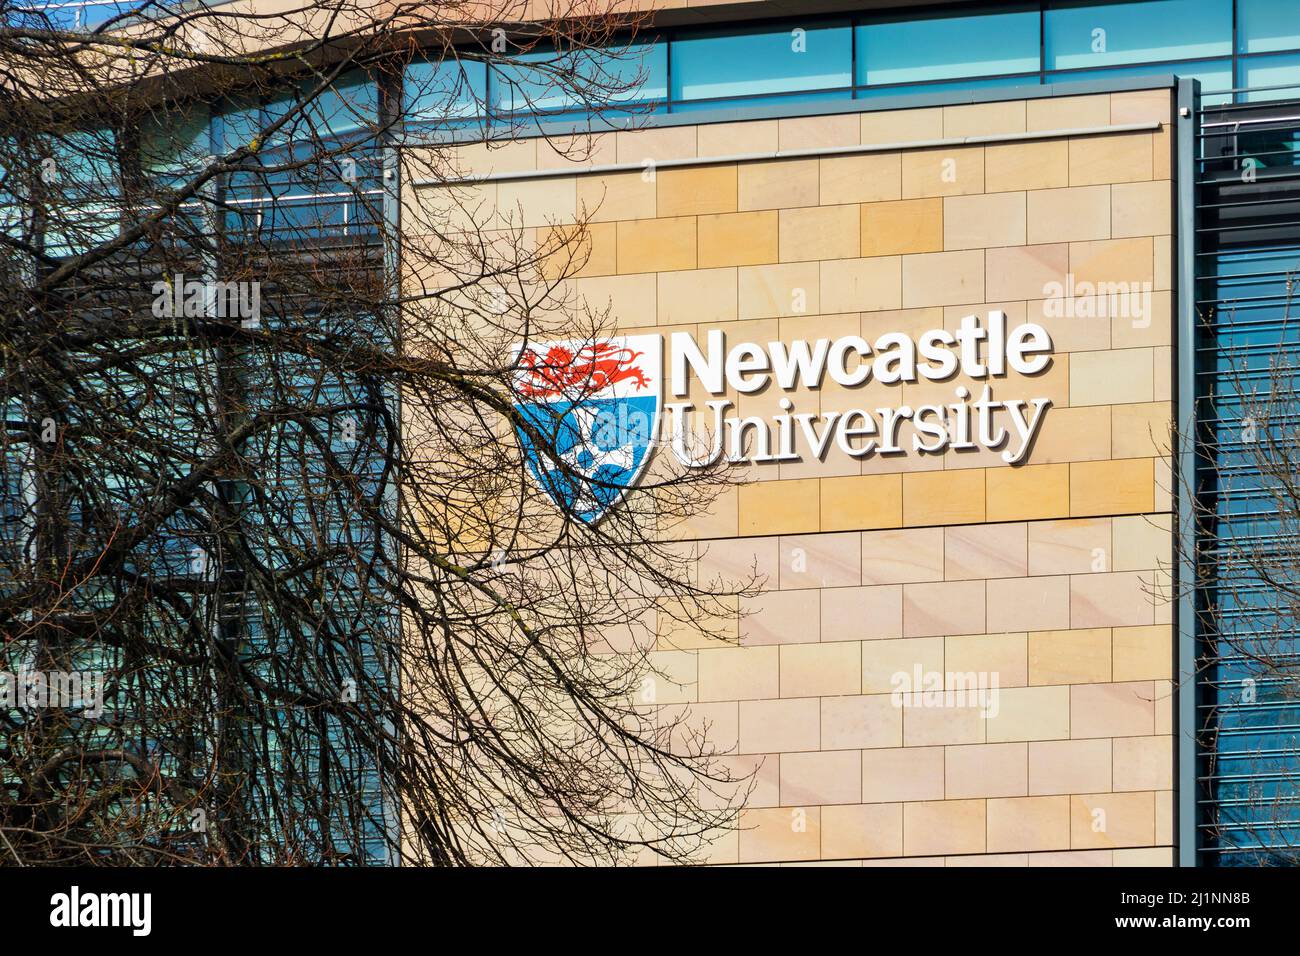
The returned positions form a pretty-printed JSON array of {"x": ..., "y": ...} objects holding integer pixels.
[{"x": 594, "y": 405}]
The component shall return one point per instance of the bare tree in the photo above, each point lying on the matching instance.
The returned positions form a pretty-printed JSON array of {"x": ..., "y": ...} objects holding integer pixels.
[{"x": 265, "y": 476}]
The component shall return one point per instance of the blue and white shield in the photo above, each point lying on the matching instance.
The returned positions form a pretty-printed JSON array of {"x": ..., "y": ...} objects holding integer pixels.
[{"x": 595, "y": 407}]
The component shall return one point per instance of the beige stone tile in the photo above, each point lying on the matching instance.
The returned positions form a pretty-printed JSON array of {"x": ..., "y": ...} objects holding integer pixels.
[
  {"x": 656, "y": 245},
  {"x": 1117, "y": 376},
  {"x": 866, "y": 830},
  {"x": 862, "y": 613},
  {"x": 948, "y": 497},
  {"x": 780, "y": 834},
  {"x": 732, "y": 139},
  {"x": 820, "y": 232},
  {"x": 697, "y": 295},
  {"x": 778, "y": 184},
  {"x": 815, "y": 132},
  {"x": 984, "y": 119},
  {"x": 821, "y": 560},
  {"x": 821, "y": 670},
  {"x": 943, "y": 278},
  {"x": 779, "y": 726},
  {"x": 1026, "y": 272},
  {"x": 1028, "y": 823},
  {"x": 860, "y": 722},
  {"x": 1142, "y": 653},
  {"x": 739, "y": 673},
  {"x": 578, "y": 250},
  {"x": 948, "y": 171},
  {"x": 903, "y": 227},
  {"x": 1142, "y": 209},
  {"x": 671, "y": 679},
  {"x": 779, "y": 290},
  {"x": 1117, "y": 599},
  {"x": 902, "y": 556},
  {"x": 781, "y": 617},
  {"x": 1074, "y": 546},
  {"x": 868, "y": 177},
  {"x": 696, "y": 190},
  {"x": 1029, "y": 713},
  {"x": 1028, "y": 604},
  {"x": 1101, "y": 858},
  {"x": 1145, "y": 857},
  {"x": 980, "y": 222},
  {"x": 1067, "y": 112},
  {"x": 1143, "y": 542},
  {"x": 1116, "y": 487},
  {"x": 902, "y": 773},
  {"x": 1072, "y": 326},
  {"x": 615, "y": 196},
  {"x": 1141, "y": 106},
  {"x": 849, "y": 285},
  {"x": 939, "y": 726},
  {"x": 985, "y": 770},
  {"x": 1114, "y": 271},
  {"x": 738, "y": 239},
  {"x": 1145, "y": 317},
  {"x": 948, "y": 607},
  {"x": 1069, "y": 766},
  {"x": 655, "y": 143},
  {"x": 990, "y": 657},
  {"x": 1101, "y": 820},
  {"x": 889, "y": 665},
  {"x": 943, "y": 826},
  {"x": 901, "y": 126},
  {"x": 1112, "y": 710},
  {"x": 988, "y": 860},
  {"x": 1143, "y": 430},
  {"x": 778, "y": 507},
  {"x": 1073, "y": 434},
  {"x": 815, "y": 778},
  {"x": 1032, "y": 165},
  {"x": 1144, "y": 763},
  {"x": 861, "y": 501},
  {"x": 1027, "y": 492},
  {"x": 631, "y": 297},
  {"x": 985, "y": 551},
  {"x": 1080, "y": 656},
  {"x": 1069, "y": 215},
  {"x": 1114, "y": 158}
]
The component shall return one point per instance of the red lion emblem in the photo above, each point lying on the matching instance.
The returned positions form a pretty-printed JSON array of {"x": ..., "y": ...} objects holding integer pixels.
[{"x": 595, "y": 367}]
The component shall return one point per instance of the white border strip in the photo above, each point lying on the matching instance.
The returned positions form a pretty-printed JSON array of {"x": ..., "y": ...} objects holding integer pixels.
[{"x": 788, "y": 154}]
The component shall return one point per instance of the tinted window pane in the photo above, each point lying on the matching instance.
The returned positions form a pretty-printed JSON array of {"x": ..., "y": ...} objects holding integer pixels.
[
  {"x": 1136, "y": 32},
  {"x": 1214, "y": 75},
  {"x": 450, "y": 89},
  {"x": 945, "y": 89},
  {"x": 632, "y": 74},
  {"x": 947, "y": 47},
  {"x": 1265, "y": 71},
  {"x": 1267, "y": 25},
  {"x": 719, "y": 65}
]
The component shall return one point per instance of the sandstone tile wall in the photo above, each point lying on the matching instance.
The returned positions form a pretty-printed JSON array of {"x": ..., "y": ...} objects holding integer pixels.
[{"x": 1049, "y": 575}]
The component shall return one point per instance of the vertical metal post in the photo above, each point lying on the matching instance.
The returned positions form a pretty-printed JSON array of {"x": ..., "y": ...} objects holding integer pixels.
[{"x": 1186, "y": 123}]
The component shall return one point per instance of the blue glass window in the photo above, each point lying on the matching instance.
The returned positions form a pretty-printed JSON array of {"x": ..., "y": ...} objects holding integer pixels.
[
  {"x": 942, "y": 48},
  {"x": 1266, "y": 26},
  {"x": 1215, "y": 75},
  {"x": 721, "y": 65},
  {"x": 633, "y": 74},
  {"x": 1091, "y": 36},
  {"x": 446, "y": 90},
  {"x": 1268, "y": 71}
]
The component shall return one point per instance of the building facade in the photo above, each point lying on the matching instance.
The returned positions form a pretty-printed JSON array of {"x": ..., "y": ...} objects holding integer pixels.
[
  {"x": 889, "y": 173},
  {"x": 957, "y": 283}
]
